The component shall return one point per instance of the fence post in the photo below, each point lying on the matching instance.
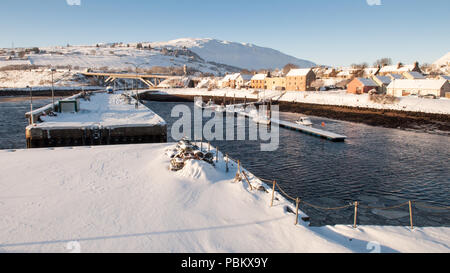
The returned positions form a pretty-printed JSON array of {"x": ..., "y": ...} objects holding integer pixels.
[
  {"x": 411, "y": 215},
  {"x": 356, "y": 213},
  {"x": 209, "y": 147},
  {"x": 217, "y": 154},
  {"x": 227, "y": 163},
  {"x": 296, "y": 211},
  {"x": 239, "y": 167},
  {"x": 273, "y": 192},
  {"x": 201, "y": 146}
]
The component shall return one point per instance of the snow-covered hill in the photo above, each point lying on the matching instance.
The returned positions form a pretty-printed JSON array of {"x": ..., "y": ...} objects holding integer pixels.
[
  {"x": 236, "y": 54},
  {"x": 445, "y": 60},
  {"x": 204, "y": 55}
]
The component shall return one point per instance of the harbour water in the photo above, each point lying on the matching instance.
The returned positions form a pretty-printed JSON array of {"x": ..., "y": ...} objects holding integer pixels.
[{"x": 377, "y": 166}]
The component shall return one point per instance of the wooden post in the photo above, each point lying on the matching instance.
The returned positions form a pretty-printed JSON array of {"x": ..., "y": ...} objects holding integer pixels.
[
  {"x": 239, "y": 167},
  {"x": 217, "y": 154},
  {"x": 273, "y": 192},
  {"x": 209, "y": 147},
  {"x": 227, "y": 163},
  {"x": 248, "y": 181},
  {"x": 201, "y": 146},
  {"x": 356, "y": 213},
  {"x": 411, "y": 215},
  {"x": 296, "y": 211}
]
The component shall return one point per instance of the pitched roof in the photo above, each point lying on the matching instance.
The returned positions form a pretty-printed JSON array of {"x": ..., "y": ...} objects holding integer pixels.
[
  {"x": 417, "y": 84},
  {"x": 371, "y": 70},
  {"x": 298, "y": 72},
  {"x": 259, "y": 77},
  {"x": 445, "y": 77},
  {"x": 415, "y": 74},
  {"x": 395, "y": 76},
  {"x": 383, "y": 79},
  {"x": 232, "y": 77},
  {"x": 367, "y": 82},
  {"x": 395, "y": 68}
]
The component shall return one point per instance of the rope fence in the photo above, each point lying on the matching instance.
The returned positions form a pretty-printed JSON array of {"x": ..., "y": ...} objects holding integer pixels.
[{"x": 242, "y": 175}]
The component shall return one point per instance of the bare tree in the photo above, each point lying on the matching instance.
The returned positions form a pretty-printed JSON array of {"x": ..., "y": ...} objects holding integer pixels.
[
  {"x": 383, "y": 62},
  {"x": 288, "y": 68}
]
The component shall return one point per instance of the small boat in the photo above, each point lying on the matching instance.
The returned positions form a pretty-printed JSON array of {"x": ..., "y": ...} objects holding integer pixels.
[
  {"x": 262, "y": 120},
  {"x": 305, "y": 121},
  {"x": 200, "y": 104},
  {"x": 209, "y": 105},
  {"x": 220, "y": 108}
]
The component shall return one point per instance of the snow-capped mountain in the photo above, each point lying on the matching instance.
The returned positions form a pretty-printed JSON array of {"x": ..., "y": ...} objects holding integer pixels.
[
  {"x": 242, "y": 55},
  {"x": 203, "y": 55}
]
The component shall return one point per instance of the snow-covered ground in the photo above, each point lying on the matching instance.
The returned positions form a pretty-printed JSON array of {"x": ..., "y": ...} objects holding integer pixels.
[
  {"x": 41, "y": 78},
  {"x": 118, "y": 58},
  {"x": 339, "y": 98},
  {"x": 124, "y": 199},
  {"x": 107, "y": 110}
]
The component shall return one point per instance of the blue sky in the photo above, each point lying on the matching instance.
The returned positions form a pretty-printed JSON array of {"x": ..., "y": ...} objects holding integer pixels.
[{"x": 332, "y": 32}]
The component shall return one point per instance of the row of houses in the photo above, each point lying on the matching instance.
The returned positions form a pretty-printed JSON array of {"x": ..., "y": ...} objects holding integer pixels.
[
  {"x": 352, "y": 72},
  {"x": 399, "y": 87},
  {"x": 295, "y": 80}
]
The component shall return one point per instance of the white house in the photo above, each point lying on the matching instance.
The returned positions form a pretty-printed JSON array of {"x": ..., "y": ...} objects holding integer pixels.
[
  {"x": 399, "y": 69},
  {"x": 232, "y": 80},
  {"x": 421, "y": 87}
]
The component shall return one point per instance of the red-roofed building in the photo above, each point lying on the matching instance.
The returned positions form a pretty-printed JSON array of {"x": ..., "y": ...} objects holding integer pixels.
[{"x": 361, "y": 85}]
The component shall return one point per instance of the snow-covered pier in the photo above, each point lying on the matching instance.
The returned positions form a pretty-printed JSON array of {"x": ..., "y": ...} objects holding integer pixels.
[
  {"x": 304, "y": 129},
  {"x": 94, "y": 119},
  {"x": 310, "y": 130}
]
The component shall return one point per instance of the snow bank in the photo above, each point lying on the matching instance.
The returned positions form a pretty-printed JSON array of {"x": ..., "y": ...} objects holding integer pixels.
[
  {"x": 124, "y": 199},
  {"x": 37, "y": 78},
  {"x": 339, "y": 98}
]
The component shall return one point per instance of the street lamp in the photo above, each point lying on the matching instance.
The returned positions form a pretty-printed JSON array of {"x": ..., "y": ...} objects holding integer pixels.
[
  {"x": 53, "y": 90},
  {"x": 31, "y": 105},
  {"x": 136, "y": 66}
]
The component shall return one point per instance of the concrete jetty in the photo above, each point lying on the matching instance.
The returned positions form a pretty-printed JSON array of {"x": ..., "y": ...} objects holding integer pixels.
[{"x": 94, "y": 119}]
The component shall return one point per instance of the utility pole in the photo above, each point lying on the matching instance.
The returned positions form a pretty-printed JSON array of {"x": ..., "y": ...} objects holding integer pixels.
[
  {"x": 136, "y": 70},
  {"x": 53, "y": 90},
  {"x": 31, "y": 105}
]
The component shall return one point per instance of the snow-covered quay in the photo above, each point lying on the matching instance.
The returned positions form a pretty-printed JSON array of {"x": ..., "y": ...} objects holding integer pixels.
[
  {"x": 101, "y": 119},
  {"x": 335, "y": 98},
  {"x": 125, "y": 199}
]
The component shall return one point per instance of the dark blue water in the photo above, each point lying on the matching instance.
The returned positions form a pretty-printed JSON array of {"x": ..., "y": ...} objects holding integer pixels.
[
  {"x": 13, "y": 121},
  {"x": 376, "y": 166}
]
